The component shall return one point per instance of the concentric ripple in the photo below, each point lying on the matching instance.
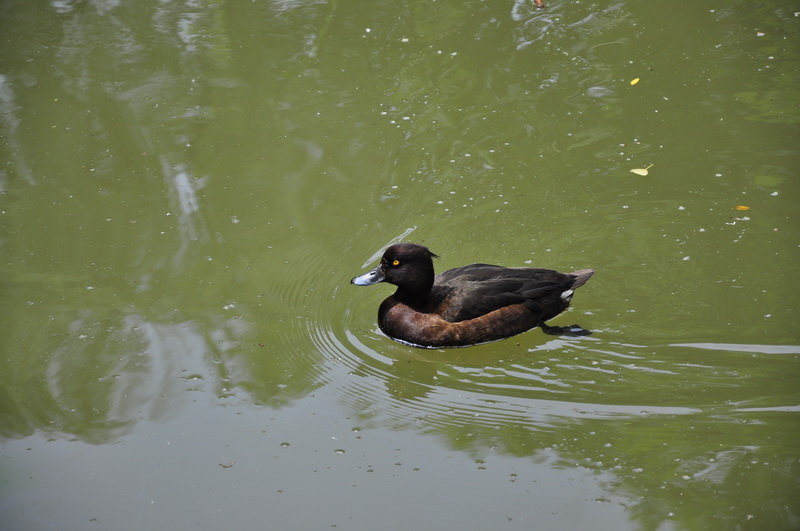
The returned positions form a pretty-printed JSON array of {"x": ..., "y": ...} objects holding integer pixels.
[
  {"x": 329, "y": 340},
  {"x": 523, "y": 381}
]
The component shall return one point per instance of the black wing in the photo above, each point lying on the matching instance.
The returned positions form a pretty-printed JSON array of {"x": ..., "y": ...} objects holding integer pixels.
[{"x": 478, "y": 289}]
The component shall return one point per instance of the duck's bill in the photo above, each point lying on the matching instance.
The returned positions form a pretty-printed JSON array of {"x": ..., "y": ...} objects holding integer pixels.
[{"x": 367, "y": 279}]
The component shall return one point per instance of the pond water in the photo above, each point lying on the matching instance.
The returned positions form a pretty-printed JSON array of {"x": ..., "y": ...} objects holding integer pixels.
[{"x": 187, "y": 188}]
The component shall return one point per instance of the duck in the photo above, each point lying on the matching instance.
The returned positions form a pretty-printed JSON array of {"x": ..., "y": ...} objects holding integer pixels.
[{"x": 468, "y": 305}]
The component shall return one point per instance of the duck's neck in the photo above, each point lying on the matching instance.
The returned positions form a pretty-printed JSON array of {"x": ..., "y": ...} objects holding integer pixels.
[
  {"x": 411, "y": 297},
  {"x": 415, "y": 294}
]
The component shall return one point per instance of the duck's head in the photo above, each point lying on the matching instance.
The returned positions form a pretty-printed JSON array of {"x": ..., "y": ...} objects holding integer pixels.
[{"x": 406, "y": 265}]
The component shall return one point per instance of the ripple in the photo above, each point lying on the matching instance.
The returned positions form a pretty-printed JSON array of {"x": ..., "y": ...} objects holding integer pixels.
[
  {"x": 761, "y": 349},
  {"x": 489, "y": 385},
  {"x": 530, "y": 381}
]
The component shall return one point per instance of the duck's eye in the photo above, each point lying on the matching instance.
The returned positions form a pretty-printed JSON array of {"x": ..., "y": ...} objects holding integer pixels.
[{"x": 395, "y": 262}]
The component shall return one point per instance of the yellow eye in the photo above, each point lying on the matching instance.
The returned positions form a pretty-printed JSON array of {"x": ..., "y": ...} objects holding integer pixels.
[{"x": 395, "y": 262}]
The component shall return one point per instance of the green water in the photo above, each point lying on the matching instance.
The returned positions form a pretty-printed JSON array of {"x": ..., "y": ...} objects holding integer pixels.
[{"x": 187, "y": 188}]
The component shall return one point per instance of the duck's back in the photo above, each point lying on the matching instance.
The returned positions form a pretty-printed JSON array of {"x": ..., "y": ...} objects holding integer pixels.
[{"x": 474, "y": 290}]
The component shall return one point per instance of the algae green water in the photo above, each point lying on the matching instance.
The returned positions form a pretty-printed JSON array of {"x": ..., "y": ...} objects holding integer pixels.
[{"x": 186, "y": 189}]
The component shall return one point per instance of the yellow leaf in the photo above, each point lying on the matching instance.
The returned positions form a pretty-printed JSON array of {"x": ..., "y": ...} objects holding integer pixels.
[
  {"x": 742, "y": 207},
  {"x": 634, "y": 80},
  {"x": 641, "y": 171}
]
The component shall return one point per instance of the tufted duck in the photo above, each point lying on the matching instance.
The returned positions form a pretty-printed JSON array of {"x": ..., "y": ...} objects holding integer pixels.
[{"x": 467, "y": 305}]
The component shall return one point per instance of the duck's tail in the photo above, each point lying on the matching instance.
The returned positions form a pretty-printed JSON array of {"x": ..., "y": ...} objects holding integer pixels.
[{"x": 582, "y": 276}]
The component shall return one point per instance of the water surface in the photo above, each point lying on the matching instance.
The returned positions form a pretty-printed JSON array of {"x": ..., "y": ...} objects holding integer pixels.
[{"x": 187, "y": 189}]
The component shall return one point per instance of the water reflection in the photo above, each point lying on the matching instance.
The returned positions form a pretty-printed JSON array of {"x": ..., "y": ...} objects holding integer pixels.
[
  {"x": 10, "y": 121},
  {"x": 183, "y": 195}
]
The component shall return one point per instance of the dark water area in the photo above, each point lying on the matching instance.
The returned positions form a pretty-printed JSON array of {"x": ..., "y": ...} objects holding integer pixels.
[{"x": 187, "y": 188}]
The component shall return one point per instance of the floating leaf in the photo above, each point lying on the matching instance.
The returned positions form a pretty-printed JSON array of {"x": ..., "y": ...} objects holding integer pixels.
[
  {"x": 742, "y": 207},
  {"x": 641, "y": 171},
  {"x": 634, "y": 80}
]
